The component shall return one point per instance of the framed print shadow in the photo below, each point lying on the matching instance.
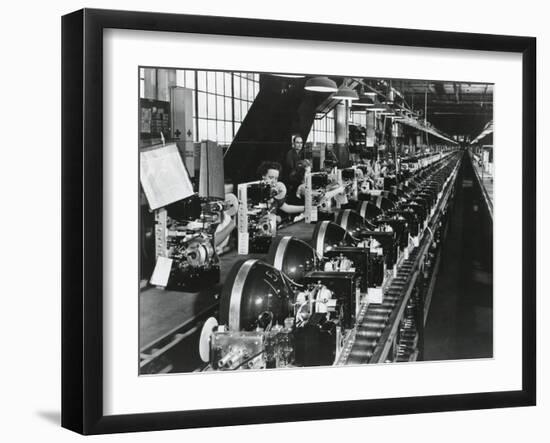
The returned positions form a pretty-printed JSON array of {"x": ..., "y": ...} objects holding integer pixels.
[{"x": 269, "y": 221}]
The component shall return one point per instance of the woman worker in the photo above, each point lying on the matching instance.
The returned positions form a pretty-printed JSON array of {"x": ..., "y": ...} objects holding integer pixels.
[{"x": 269, "y": 173}]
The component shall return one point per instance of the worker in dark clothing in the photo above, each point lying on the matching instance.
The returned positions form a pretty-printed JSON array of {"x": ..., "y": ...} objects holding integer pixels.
[
  {"x": 330, "y": 157},
  {"x": 294, "y": 155}
]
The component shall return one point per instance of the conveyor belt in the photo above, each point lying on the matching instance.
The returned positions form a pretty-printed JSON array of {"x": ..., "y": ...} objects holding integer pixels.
[
  {"x": 377, "y": 324},
  {"x": 168, "y": 317}
]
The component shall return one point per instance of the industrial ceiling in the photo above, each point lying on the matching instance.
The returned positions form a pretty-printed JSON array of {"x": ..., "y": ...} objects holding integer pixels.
[{"x": 454, "y": 108}]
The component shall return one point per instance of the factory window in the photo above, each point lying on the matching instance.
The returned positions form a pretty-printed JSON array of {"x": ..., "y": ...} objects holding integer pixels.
[
  {"x": 141, "y": 83},
  {"x": 201, "y": 78},
  {"x": 185, "y": 79},
  {"x": 224, "y": 99},
  {"x": 323, "y": 129},
  {"x": 148, "y": 87},
  {"x": 221, "y": 100},
  {"x": 359, "y": 118},
  {"x": 246, "y": 87}
]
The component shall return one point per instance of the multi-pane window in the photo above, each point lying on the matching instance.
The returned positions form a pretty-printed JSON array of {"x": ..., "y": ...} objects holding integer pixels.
[
  {"x": 141, "y": 83},
  {"x": 359, "y": 118},
  {"x": 185, "y": 79},
  {"x": 221, "y": 100},
  {"x": 323, "y": 128},
  {"x": 245, "y": 87},
  {"x": 224, "y": 99}
]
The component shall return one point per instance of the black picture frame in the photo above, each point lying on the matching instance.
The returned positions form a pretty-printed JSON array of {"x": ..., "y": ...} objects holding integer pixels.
[{"x": 82, "y": 215}]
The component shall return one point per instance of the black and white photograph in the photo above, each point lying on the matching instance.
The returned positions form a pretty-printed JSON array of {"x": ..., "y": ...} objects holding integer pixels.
[{"x": 297, "y": 220}]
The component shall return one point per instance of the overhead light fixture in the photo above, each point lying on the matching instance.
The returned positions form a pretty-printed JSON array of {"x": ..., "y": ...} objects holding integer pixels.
[
  {"x": 387, "y": 111},
  {"x": 289, "y": 75},
  {"x": 376, "y": 106},
  {"x": 370, "y": 94},
  {"x": 321, "y": 84},
  {"x": 488, "y": 129},
  {"x": 389, "y": 98},
  {"x": 364, "y": 101},
  {"x": 345, "y": 93}
]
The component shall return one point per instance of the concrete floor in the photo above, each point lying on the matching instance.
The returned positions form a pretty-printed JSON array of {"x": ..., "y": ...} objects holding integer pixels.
[{"x": 460, "y": 320}]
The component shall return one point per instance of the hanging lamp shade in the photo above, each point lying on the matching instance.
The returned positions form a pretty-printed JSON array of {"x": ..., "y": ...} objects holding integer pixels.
[
  {"x": 364, "y": 101},
  {"x": 321, "y": 84},
  {"x": 377, "y": 107},
  {"x": 345, "y": 93},
  {"x": 390, "y": 98}
]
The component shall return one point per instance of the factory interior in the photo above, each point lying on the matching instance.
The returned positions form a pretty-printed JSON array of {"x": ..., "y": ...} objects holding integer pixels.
[{"x": 297, "y": 220}]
